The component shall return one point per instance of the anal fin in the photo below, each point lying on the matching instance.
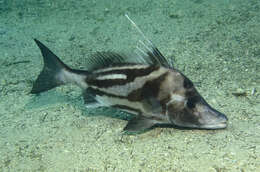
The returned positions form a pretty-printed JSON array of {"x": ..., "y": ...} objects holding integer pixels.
[{"x": 89, "y": 99}]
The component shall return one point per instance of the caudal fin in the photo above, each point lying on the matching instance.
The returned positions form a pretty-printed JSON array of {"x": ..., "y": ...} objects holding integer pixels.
[{"x": 51, "y": 74}]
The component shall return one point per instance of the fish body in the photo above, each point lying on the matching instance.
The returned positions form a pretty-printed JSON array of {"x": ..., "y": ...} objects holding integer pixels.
[{"x": 147, "y": 87}]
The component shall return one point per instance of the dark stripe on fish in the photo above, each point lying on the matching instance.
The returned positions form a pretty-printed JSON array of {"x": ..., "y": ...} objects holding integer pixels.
[
  {"x": 150, "y": 89},
  {"x": 131, "y": 74},
  {"x": 103, "y": 93}
]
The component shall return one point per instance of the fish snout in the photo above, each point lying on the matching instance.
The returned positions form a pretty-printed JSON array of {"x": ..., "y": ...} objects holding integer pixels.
[{"x": 212, "y": 119}]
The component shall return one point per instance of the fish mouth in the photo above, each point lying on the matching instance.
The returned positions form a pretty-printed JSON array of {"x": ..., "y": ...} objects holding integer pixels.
[
  {"x": 211, "y": 123},
  {"x": 221, "y": 125}
]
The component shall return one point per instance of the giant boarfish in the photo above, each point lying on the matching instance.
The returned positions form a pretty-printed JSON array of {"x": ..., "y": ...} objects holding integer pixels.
[{"x": 146, "y": 86}]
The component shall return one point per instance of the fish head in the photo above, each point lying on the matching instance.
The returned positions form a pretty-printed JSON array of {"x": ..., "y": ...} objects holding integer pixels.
[{"x": 187, "y": 108}]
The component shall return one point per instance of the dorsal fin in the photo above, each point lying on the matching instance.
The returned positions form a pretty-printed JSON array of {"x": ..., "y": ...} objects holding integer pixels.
[
  {"x": 104, "y": 59},
  {"x": 107, "y": 59},
  {"x": 149, "y": 52},
  {"x": 146, "y": 53}
]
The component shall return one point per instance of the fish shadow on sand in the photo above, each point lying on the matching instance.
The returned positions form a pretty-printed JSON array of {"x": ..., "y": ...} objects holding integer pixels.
[{"x": 54, "y": 97}]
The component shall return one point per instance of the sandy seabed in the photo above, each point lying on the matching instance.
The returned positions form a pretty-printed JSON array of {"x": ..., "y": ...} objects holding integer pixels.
[{"x": 215, "y": 43}]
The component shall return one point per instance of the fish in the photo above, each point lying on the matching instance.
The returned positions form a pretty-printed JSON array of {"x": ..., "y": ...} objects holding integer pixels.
[{"x": 145, "y": 85}]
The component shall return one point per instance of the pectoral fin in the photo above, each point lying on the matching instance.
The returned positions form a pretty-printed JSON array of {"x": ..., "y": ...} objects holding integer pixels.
[
  {"x": 153, "y": 105},
  {"x": 138, "y": 124}
]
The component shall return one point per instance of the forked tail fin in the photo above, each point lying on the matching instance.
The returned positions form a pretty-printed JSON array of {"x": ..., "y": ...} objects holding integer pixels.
[
  {"x": 48, "y": 77},
  {"x": 54, "y": 72}
]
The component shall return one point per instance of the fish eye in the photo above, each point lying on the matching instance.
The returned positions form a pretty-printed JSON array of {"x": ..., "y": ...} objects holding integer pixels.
[
  {"x": 187, "y": 83},
  {"x": 190, "y": 103}
]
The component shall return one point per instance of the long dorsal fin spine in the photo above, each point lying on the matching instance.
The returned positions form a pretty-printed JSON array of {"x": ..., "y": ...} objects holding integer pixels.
[
  {"x": 139, "y": 30},
  {"x": 146, "y": 52},
  {"x": 152, "y": 54},
  {"x": 149, "y": 50}
]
